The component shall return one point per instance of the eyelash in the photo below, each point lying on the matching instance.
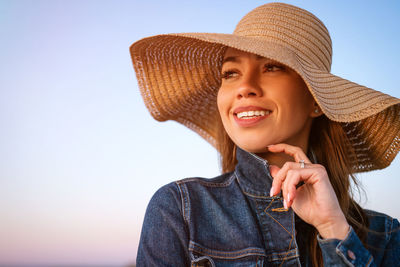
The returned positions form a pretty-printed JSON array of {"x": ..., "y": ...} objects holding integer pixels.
[
  {"x": 267, "y": 67},
  {"x": 272, "y": 65},
  {"x": 227, "y": 74}
]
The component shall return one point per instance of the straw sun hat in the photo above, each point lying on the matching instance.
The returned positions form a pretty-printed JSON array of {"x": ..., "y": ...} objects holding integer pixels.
[{"x": 179, "y": 77}]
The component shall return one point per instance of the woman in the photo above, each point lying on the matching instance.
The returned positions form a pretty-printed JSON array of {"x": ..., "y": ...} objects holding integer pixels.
[{"x": 290, "y": 135}]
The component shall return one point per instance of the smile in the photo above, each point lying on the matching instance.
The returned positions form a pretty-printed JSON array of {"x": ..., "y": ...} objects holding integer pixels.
[{"x": 252, "y": 114}]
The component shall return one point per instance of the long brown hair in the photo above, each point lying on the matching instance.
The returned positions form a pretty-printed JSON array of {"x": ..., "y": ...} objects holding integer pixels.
[{"x": 330, "y": 147}]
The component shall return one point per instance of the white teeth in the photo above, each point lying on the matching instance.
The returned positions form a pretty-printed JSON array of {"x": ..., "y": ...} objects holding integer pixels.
[
  {"x": 252, "y": 113},
  {"x": 242, "y": 114}
]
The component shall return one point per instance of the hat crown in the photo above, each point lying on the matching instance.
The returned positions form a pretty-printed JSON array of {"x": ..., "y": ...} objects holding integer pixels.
[{"x": 295, "y": 28}]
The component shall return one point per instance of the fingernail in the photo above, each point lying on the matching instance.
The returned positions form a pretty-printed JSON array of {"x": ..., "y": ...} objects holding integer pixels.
[
  {"x": 271, "y": 192},
  {"x": 284, "y": 203},
  {"x": 288, "y": 197}
]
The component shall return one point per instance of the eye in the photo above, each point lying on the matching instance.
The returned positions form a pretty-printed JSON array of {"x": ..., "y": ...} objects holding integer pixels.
[
  {"x": 272, "y": 67},
  {"x": 228, "y": 74}
]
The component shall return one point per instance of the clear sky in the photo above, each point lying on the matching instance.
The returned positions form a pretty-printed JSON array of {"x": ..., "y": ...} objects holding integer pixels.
[{"x": 80, "y": 156}]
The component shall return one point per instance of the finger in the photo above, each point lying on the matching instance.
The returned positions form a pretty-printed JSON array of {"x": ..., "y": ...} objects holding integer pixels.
[
  {"x": 273, "y": 169},
  {"x": 289, "y": 187},
  {"x": 279, "y": 176},
  {"x": 296, "y": 152}
]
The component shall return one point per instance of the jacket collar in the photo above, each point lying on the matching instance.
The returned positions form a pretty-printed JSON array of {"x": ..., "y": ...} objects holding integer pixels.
[{"x": 253, "y": 173}]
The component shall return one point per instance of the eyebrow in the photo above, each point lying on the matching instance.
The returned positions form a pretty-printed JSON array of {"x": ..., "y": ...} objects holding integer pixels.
[{"x": 237, "y": 59}]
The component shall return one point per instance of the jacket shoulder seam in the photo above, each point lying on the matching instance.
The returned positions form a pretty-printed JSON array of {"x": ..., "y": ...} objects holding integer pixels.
[
  {"x": 184, "y": 202},
  {"x": 202, "y": 181}
]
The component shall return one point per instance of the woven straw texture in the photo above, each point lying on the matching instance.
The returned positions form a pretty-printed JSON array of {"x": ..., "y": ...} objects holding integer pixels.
[{"x": 179, "y": 77}]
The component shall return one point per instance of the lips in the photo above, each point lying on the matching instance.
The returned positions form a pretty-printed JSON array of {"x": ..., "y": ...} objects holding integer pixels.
[{"x": 250, "y": 115}]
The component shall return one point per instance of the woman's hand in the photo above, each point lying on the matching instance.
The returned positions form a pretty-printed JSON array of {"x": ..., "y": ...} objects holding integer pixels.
[{"x": 315, "y": 201}]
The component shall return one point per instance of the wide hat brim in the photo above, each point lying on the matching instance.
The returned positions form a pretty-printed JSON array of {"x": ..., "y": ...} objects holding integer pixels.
[{"x": 179, "y": 77}]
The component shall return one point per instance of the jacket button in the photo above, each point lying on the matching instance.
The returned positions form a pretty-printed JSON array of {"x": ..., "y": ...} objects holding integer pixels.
[{"x": 351, "y": 255}]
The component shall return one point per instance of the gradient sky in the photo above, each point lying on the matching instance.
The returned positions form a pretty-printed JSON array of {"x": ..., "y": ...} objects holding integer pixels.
[{"x": 80, "y": 156}]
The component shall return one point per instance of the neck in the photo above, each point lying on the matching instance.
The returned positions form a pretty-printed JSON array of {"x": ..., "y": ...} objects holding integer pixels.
[
  {"x": 301, "y": 141},
  {"x": 279, "y": 159}
]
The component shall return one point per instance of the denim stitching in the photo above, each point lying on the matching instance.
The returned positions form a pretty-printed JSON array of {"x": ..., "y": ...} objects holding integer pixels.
[
  {"x": 222, "y": 252},
  {"x": 290, "y": 244},
  {"x": 185, "y": 203},
  {"x": 225, "y": 254},
  {"x": 202, "y": 258},
  {"x": 265, "y": 210},
  {"x": 369, "y": 261},
  {"x": 282, "y": 255},
  {"x": 286, "y": 257},
  {"x": 263, "y": 161},
  {"x": 390, "y": 230},
  {"x": 279, "y": 254},
  {"x": 339, "y": 252},
  {"x": 264, "y": 197},
  {"x": 251, "y": 192},
  {"x": 294, "y": 239},
  {"x": 210, "y": 184},
  {"x": 282, "y": 209}
]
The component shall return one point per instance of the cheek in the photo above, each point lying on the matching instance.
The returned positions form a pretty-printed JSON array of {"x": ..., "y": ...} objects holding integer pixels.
[
  {"x": 224, "y": 105},
  {"x": 294, "y": 111},
  {"x": 297, "y": 99}
]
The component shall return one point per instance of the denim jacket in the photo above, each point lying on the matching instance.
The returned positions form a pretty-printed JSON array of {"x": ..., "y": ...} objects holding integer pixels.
[{"x": 231, "y": 220}]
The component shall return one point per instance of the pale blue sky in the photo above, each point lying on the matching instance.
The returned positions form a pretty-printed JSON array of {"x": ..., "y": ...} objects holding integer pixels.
[{"x": 80, "y": 155}]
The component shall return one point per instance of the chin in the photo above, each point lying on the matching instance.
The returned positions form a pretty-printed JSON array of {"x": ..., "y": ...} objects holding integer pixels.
[{"x": 253, "y": 146}]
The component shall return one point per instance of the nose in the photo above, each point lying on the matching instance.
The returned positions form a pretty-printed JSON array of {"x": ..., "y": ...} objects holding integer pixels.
[{"x": 249, "y": 87}]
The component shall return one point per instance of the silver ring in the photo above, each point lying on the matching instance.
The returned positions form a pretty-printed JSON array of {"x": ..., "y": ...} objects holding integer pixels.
[{"x": 301, "y": 164}]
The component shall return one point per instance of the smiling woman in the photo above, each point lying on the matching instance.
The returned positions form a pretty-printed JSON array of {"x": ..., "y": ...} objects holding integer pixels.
[
  {"x": 290, "y": 135},
  {"x": 253, "y": 84}
]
